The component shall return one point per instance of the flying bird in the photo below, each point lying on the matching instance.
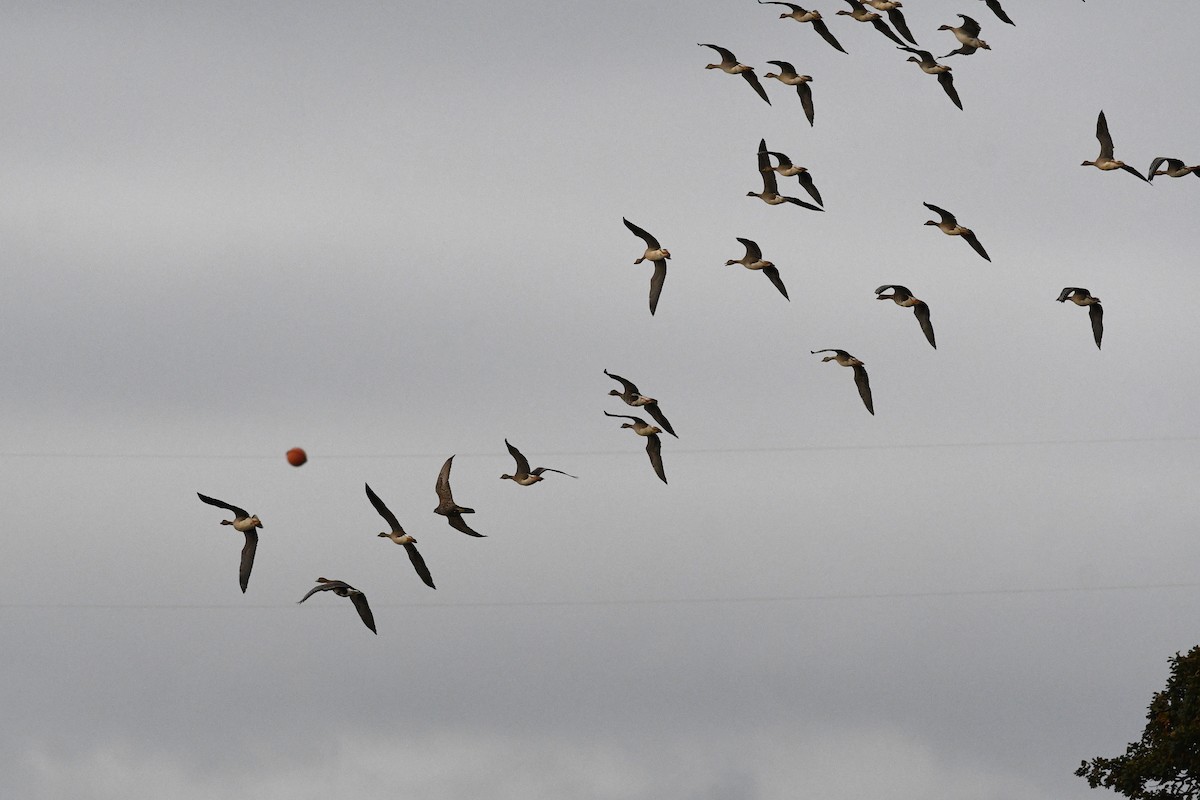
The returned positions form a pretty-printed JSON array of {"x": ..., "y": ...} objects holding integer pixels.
[
  {"x": 903, "y": 298},
  {"x": 801, "y": 15},
  {"x": 753, "y": 260},
  {"x": 343, "y": 589},
  {"x": 657, "y": 255},
  {"x": 895, "y": 16},
  {"x": 929, "y": 65},
  {"x": 859, "y": 13},
  {"x": 1105, "y": 160},
  {"x": 730, "y": 65},
  {"x": 787, "y": 75},
  {"x": 949, "y": 226},
  {"x": 787, "y": 169},
  {"x": 770, "y": 193},
  {"x": 653, "y": 443},
  {"x": 967, "y": 35},
  {"x": 397, "y": 535},
  {"x": 1175, "y": 168},
  {"x": 860, "y": 374},
  {"x": 994, "y": 5},
  {"x": 1082, "y": 297},
  {"x": 524, "y": 475},
  {"x": 446, "y": 505},
  {"x": 248, "y": 526},
  {"x": 633, "y": 397}
]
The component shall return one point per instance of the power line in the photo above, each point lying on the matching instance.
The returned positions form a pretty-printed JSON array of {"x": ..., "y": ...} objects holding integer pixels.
[
  {"x": 683, "y": 601},
  {"x": 674, "y": 451}
]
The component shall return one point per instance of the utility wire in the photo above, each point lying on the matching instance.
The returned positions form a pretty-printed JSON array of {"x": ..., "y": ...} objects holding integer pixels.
[
  {"x": 683, "y": 601},
  {"x": 674, "y": 451}
]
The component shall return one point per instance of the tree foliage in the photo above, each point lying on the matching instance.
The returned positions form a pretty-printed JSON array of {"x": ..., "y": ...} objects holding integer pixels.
[{"x": 1165, "y": 763}]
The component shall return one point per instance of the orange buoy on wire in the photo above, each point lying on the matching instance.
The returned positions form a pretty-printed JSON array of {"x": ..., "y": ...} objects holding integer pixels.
[{"x": 296, "y": 457}]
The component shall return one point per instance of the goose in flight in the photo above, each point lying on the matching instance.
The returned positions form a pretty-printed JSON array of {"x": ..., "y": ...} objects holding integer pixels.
[
  {"x": 653, "y": 443},
  {"x": 787, "y": 75},
  {"x": 1082, "y": 297},
  {"x": 895, "y": 16},
  {"x": 343, "y": 589},
  {"x": 446, "y": 505},
  {"x": 729, "y": 64},
  {"x": 1105, "y": 160},
  {"x": 632, "y": 397},
  {"x": 787, "y": 169},
  {"x": 524, "y": 475},
  {"x": 397, "y": 535},
  {"x": 657, "y": 255},
  {"x": 248, "y": 526},
  {"x": 859, "y": 13},
  {"x": 860, "y": 374},
  {"x": 967, "y": 35},
  {"x": 929, "y": 65},
  {"x": 770, "y": 193},
  {"x": 753, "y": 260},
  {"x": 949, "y": 226},
  {"x": 1175, "y": 168},
  {"x": 801, "y": 15},
  {"x": 903, "y": 298}
]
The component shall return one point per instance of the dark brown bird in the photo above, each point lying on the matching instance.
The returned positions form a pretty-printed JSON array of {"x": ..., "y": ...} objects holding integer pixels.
[
  {"x": 446, "y": 505},
  {"x": 633, "y": 397},
  {"x": 343, "y": 589},
  {"x": 860, "y": 374},
  {"x": 788, "y": 76},
  {"x": 929, "y": 65},
  {"x": 1082, "y": 297},
  {"x": 1175, "y": 168},
  {"x": 949, "y": 226},
  {"x": 770, "y": 193},
  {"x": 397, "y": 535},
  {"x": 524, "y": 475},
  {"x": 903, "y": 297},
  {"x": 801, "y": 15},
  {"x": 729, "y": 64},
  {"x": 653, "y": 443},
  {"x": 1105, "y": 160},
  {"x": 861, "y": 14},
  {"x": 247, "y": 525},
  {"x": 657, "y": 255},
  {"x": 753, "y": 260}
]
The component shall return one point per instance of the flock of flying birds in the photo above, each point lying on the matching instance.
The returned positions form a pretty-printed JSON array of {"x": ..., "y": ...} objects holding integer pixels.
[
  {"x": 772, "y": 164},
  {"x": 967, "y": 35}
]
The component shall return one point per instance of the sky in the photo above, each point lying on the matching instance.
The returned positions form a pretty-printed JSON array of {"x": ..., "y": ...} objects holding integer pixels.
[{"x": 389, "y": 233}]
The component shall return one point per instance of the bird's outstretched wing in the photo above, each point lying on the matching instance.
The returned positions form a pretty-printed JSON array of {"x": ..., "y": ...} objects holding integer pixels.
[
  {"x": 656, "y": 283},
  {"x": 656, "y": 413},
  {"x": 522, "y": 461},
  {"x": 387, "y": 515},
  {"x": 975, "y": 245},
  {"x": 239, "y": 513},
  {"x": 247, "y": 563},
  {"x": 864, "y": 387},
  {"x": 921, "y": 311},
  {"x": 364, "y": 610},
  {"x": 419, "y": 564},
  {"x": 650, "y": 241},
  {"x": 654, "y": 450},
  {"x": 773, "y": 273}
]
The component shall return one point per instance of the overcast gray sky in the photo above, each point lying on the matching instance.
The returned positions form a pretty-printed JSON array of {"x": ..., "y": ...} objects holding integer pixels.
[{"x": 392, "y": 232}]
